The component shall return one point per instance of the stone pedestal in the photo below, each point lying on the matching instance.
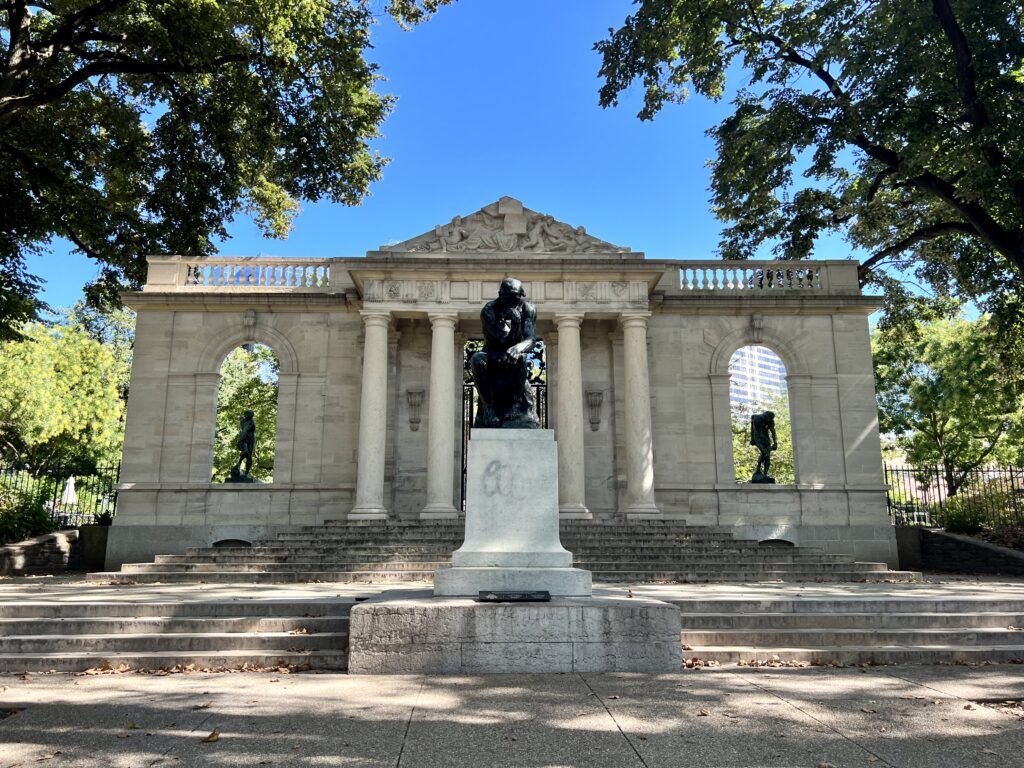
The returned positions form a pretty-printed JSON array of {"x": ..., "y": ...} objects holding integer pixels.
[
  {"x": 414, "y": 633},
  {"x": 512, "y": 541}
]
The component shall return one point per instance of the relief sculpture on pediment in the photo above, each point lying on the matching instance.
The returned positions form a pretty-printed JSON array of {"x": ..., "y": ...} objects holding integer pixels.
[{"x": 503, "y": 227}]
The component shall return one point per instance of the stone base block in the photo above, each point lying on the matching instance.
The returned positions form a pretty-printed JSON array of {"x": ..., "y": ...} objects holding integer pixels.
[
  {"x": 418, "y": 634},
  {"x": 469, "y": 581}
]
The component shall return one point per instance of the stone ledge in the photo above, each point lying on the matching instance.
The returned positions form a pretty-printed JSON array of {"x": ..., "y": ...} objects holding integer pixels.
[{"x": 414, "y": 633}]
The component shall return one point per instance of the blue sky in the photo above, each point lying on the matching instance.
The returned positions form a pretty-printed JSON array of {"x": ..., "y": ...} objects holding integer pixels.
[{"x": 499, "y": 97}]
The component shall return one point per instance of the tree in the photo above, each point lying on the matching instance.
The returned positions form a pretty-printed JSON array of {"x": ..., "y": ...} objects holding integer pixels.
[
  {"x": 132, "y": 127},
  {"x": 906, "y": 120},
  {"x": 59, "y": 401},
  {"x": 745, "y": 455},
  {"x": 947, "y": 399},
  {"x": 248, "y": 383}
]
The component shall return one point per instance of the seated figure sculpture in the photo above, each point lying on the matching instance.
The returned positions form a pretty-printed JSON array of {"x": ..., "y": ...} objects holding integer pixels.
[
  {"x": 763, "y": 437},
  {"x": 501, "y": 370}
]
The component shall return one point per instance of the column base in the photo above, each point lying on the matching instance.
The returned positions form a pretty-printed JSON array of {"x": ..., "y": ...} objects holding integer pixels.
[
  {"x": 643, "y": 512},
  {"x": 439, "y": 512},
  {"x": 574, "y": 512},
  {"x": 368, "y": 513}
]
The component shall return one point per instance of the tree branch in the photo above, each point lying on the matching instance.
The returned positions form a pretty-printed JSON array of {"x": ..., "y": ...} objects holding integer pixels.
[
  {"x": 966, "y": 77},
  {"x": 921, "y": 235}
]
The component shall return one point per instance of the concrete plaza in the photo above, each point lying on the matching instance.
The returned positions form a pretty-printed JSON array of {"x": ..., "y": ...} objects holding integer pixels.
[{"x": 884, "y": 716}]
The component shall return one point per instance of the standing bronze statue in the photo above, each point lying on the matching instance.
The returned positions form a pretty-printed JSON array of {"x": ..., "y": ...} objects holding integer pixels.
[
  {"x": 763, "y": 437},
  {"x": 501, "y": 370},
  {"x": 246, "y": 445}
]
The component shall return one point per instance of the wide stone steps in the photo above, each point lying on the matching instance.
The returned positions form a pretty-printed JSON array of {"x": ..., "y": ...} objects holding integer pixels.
[
  {"x": 661, "y": 558},
  {"x": 73, "y": 636},
  {"x": 406, "y": 551},
  {"x": 708, "y": 575},
  {"x": 862, "y": 631},
  {"x": 598, "y": 566}
]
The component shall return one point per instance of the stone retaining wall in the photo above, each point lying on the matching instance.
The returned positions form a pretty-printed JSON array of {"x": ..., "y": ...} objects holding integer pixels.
[
  {"x": 44, "y": 554},
  {"x": 937, "y": 550}
]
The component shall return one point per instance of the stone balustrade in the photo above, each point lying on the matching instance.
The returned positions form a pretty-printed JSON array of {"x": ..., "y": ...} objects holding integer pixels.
[
  {"x": 257, "y": 273},
  {"x": 750, "y": 278},
  {"x": 683, "y": 278}
]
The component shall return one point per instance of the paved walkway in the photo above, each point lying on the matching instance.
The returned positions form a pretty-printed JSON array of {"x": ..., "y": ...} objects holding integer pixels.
[
  {"x": 75, "y": 589},
  {"x": 927, "y": 717}
]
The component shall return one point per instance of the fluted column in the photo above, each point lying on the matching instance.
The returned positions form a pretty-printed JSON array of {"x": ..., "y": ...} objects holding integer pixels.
[
  {"x": 569, "y": 436},
  {"x": 373, "y": 410},
  {"x": 441, "y": 420},
  {"x": 639, "y": 438}
]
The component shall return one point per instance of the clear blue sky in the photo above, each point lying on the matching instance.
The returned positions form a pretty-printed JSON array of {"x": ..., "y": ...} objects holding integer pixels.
[{"x": 499, "y": 97}]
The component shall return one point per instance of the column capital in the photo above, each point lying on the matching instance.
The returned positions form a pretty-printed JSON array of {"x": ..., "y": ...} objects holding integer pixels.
[
  {"x": 634, "y": 319},
  {"x": 443, "y": 319},
  {"x": 570, "y": 319},
  {"x": 375, "y": 317}
]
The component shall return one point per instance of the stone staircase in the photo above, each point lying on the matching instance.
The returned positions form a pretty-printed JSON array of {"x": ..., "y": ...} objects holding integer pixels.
[
  {"x": 647, "y": 551},
  {"x": 854, "y": 630},
  {"x": 214, "y": 634}
]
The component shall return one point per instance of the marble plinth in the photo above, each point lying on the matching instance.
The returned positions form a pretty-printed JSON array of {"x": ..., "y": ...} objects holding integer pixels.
[
  {"x": 512, "y": 540},
  {"x": 414, "y": 633}
]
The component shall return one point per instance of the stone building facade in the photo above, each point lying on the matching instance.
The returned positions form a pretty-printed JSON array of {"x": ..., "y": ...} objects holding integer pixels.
[{"x": 370, "y": 403}]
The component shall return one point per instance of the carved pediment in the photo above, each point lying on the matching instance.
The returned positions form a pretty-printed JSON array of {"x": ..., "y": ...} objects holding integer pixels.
[{"x": 504, "y": 227}]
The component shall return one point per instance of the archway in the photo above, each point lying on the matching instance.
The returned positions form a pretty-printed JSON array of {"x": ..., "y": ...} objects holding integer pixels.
[
  {"x": 248, "y": 382},
  {"x": 757, "y": 383}
]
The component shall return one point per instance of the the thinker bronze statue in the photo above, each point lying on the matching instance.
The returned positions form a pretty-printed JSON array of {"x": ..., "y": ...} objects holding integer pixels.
[
  {"x": 246, "y": 445},
  {"x": 763, "y": 437},
  {"x": 501, "y": 370}
]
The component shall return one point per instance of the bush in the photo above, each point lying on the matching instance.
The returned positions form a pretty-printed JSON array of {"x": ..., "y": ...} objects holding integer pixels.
[
  {"x": 961, "y": 514},
  {"x": 22, "y": 516}
]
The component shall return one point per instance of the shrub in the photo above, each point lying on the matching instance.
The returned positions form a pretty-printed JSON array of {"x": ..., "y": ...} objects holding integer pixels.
[
  {"x": 22, "y": 516},
  {"x": 961, "y": 514}
]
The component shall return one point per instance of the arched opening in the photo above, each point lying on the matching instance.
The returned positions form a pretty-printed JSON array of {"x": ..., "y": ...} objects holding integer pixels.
[
  {"x": 234, "y": 543},
  {"x": 248, "y": 382},
  {"x": 757, "y": 385}
]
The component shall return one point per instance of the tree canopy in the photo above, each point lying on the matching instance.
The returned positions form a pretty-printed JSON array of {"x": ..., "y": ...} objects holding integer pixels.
[
  {"x": 132, "y": 127},
  {"x": 60, "y": 402},
  {"x": 947, "y": 399},
  {"x": 905, "y": 120}
]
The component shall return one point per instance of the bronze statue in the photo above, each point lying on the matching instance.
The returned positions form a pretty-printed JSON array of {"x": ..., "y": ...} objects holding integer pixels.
[
  {"x": 246, "y": 445},
  {"x": 501, "y": 370},
  {"x": 763, "y": 437}
]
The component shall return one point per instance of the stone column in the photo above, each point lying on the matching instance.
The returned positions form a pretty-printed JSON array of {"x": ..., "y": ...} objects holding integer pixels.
[
  {"x": 639, "y": 438},
  {"x": 373, "y": 409},
  {"x": 441, "y": 419},
  {"x": 571, "y": 475}
]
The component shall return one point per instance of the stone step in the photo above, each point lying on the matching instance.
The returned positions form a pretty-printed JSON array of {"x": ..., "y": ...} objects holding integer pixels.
[
  {"x": 711, "y": 575},
  {"x": 165, "y": 642},
  {"x": 206, "y": 609},
  {"x": 418, "y": 566},
  {"x": 386, "y": 550},
  {"x": 172, "y": 625},
  {"x": 664, "y": 558},
  {"x": 229, "y": 659},
  {"x": 841, "y": 638},
  {"x": 285, "y": 567},
  {"x": 825, "y": 606},
  {"x": 784, "y": 621},
  {"x": 922, "y": 654}
]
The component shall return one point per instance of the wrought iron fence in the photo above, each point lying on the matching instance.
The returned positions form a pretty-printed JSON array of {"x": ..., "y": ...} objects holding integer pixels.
[
  {"x": 71, "y": 496},
  {"x": 991, "y": 496}
]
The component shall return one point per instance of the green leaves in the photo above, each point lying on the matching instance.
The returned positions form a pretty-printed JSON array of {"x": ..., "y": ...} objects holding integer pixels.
[
  {"x": 60, "y": 399},
  {"x": 946, "y": 397},
  {"x": 898, "y": 124},
  {"x": 133, "y": 127}
]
